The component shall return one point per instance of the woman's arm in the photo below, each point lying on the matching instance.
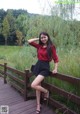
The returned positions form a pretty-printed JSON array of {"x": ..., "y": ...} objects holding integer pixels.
[
  {"x": 55, "y": 68},
  {"x": 33, "y": 43},
  {"x": 55, "y": 58},
  {"x": 32, "y": 40}
]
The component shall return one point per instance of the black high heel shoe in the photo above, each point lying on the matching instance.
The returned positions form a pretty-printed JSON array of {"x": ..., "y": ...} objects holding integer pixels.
[
  {"x": 46, "y": 95},
  {"x": 38, "y": 111}
]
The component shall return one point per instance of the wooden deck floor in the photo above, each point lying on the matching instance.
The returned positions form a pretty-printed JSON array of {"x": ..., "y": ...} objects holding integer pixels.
[{"x": 10, "y": 97}]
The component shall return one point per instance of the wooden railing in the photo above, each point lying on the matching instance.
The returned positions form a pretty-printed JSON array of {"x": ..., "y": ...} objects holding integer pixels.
[
  {"x": 69, "y": 96},
  {"x": 15, "y": 75},
  {"x": 25, "y": 81}
]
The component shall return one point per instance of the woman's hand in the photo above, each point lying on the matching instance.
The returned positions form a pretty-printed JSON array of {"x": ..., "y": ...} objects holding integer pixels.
[
  {"x": 54, "y": 71},
  {"x": 55, "y": 68},
  {"x": 32, "y": 40}
]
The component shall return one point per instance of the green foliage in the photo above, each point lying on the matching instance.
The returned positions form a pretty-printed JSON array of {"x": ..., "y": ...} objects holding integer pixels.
[
  {"x": 5, "y": 29},
  {"x": 64, "y": 33},
  {"x": 22, "y": 23},
  {"x": 11, "y": 20},
  {"x": 70, "y": 62},
  {"x": 19, "y": 36}
]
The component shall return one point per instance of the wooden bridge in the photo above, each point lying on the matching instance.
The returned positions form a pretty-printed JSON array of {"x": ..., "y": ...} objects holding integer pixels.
[
  {"x": 16, "y": 103},
  {"x": 15, "y": 85}
]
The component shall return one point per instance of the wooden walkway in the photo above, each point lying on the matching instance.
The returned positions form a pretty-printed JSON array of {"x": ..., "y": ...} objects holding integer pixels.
[{"x": 12, "y": 98}]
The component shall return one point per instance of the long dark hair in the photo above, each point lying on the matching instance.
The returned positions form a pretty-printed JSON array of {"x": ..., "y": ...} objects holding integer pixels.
[{"x": 49, "y": 43}]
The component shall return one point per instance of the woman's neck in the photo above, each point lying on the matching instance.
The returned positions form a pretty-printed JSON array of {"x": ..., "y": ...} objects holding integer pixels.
[{"x": 45, "y": 45}]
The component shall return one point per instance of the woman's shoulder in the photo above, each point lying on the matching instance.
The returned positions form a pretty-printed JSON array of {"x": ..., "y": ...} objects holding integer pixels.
[{"x": 53, "y": 46}]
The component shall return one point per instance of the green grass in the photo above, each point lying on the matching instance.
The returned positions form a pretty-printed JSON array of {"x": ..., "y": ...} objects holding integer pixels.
[
  {"x": 70, "y": 62},
  {"x": 23, "y": 57}
]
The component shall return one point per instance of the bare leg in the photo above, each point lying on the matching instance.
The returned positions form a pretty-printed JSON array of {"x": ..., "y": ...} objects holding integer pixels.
[
  {"x": 38, "y": 93},
  {"x": 36, "y": 84}
]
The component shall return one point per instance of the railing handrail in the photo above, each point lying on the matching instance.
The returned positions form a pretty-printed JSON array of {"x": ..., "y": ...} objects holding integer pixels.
[
  {"x": 16, "y": 71},
  {"x": 67, "y": 78}
]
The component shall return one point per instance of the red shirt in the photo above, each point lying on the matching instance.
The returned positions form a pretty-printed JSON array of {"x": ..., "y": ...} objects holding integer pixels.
[{"x": 42, "y": 52}]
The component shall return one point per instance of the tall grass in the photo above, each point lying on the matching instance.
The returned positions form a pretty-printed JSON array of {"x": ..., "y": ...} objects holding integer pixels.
[
  {"x": 23, "y": 57},
  {"x": 70, "y": 62}
]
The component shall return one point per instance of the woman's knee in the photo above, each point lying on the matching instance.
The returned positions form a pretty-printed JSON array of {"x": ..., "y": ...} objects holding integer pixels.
[
  {"x": 37, "y": 81},
  {"x": 33, "y": 85}
]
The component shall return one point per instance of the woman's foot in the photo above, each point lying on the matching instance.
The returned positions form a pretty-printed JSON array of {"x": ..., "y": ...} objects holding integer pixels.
[
  {"x": 38, "y": 109},
  {"x": 46, "y": 95}
]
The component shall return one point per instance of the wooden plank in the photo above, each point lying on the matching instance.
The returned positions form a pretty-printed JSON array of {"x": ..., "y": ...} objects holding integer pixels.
[
  {"x": 16, "y": 71},
  {"x": 30, "y": 74},
  {"x": 8, "y": 95},
  {"x": 17, "y": 87},
  {"x": 21, "y": 108},
  {"x": 22, "y": 104},
  {"x": 68, "y": 95},
  {"x": 1, "y": 75},
  {"x": 29, "y": 107},
  {"x": 60, "y": 107},
  {"x": 26, "y": 85},
  {"x": 11, "y": 102},
  {"x": 15, "y": 78},
  {"x": 70, "y": 79},
  {"x": 2, "y": 72},
  {"x": 67, "y": 78}
]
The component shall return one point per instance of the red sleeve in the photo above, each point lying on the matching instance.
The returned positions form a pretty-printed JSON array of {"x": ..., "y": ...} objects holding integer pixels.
[
  {"x": 34, "y": 45},
  {"x": 54, "y": 55}
]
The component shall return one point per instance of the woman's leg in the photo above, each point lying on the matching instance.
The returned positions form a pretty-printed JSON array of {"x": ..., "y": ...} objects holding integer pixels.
[
  {"x": 38, "y": 93},
  {"x": 36, "y": 84}
]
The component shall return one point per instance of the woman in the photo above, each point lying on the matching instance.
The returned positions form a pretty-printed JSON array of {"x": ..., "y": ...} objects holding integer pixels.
[{"x": 46, "y": 51}]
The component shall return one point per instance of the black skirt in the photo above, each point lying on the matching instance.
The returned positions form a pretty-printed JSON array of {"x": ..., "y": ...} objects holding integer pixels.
[{"x": 41, "y": 68}]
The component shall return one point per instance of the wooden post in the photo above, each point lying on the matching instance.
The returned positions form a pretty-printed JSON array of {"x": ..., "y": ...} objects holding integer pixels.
[
  {"x": 26, "y": 79},
  {"x": 5, "y": 75}
]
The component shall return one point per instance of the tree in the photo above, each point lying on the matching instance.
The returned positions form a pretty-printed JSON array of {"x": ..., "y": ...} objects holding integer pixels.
[
  {"x": 5, "y": 29},
  {"x": 19, "y": 36},
  {"x": 11, "y": 20},
  {"x": 22, "y": 24},
  {"x": 2, "y": 14}
]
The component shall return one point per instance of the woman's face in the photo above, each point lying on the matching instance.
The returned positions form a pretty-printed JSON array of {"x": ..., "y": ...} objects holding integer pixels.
[{"x": 44, "y": 39}]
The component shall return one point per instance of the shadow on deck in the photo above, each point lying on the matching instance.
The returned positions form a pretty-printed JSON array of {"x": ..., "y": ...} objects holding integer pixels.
[{"x": 10, "y": 97}]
